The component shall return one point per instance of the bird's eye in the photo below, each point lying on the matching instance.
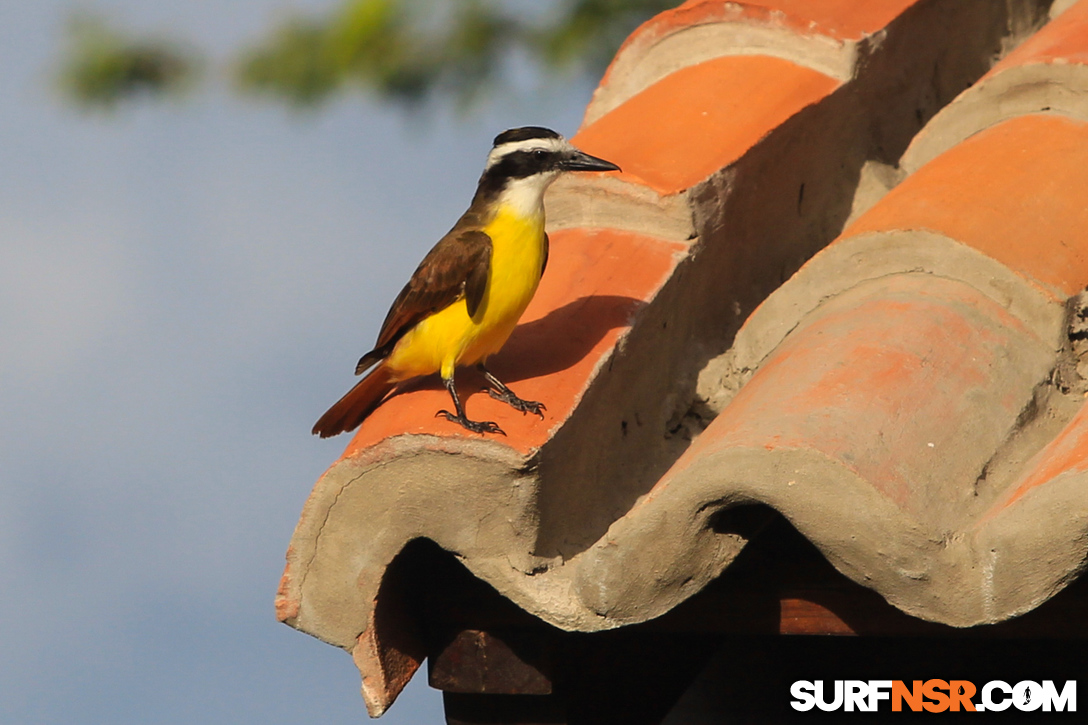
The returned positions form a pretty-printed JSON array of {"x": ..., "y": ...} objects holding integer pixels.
[{"x": 540, "y": 154}]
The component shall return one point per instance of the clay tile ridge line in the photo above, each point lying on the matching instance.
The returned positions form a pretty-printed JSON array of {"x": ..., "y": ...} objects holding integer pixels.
[
  {"x": 823, "y": 35},
  {"x": 1036, "y": 235}
]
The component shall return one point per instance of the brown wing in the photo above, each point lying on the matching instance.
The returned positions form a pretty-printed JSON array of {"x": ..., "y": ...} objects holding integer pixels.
[{"x": 456, "y": 267}]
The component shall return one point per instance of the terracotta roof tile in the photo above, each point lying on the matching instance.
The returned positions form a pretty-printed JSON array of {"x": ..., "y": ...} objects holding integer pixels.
[
  {"x": 925, "y": 354},
  {"x": 1013, "y": 191},
  {"x": 824, "y": 35},
  {"x": 839, "y": 19},
  {"x": 701, "y": 118}
]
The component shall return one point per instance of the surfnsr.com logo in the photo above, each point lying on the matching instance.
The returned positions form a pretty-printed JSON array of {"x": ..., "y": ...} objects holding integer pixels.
[{"x": 933, "y": 696}]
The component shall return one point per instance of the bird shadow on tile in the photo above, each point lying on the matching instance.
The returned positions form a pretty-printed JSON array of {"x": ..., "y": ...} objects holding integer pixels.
[{"x": 563, "y": 337}]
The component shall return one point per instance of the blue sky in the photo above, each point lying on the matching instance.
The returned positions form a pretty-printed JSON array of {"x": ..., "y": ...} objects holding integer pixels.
[{"x": 184, "y": 288}]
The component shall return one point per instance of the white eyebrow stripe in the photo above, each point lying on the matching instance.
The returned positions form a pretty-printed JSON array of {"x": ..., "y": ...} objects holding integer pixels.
[{"x": 548, "y": 144}]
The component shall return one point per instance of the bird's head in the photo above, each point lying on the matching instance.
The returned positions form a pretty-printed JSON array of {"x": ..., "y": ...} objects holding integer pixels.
[{"x": 524, "y": 161}]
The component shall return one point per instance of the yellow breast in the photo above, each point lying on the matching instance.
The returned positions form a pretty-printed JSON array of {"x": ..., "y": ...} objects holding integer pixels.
[
  {"x": 517, "y": 256},
  {"x": 450, "y": 337}
]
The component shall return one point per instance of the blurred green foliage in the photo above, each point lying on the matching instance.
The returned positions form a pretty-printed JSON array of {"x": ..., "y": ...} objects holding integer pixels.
[
  {"x": 104, "y": 67},
  {"x": 405, "y": 50}
]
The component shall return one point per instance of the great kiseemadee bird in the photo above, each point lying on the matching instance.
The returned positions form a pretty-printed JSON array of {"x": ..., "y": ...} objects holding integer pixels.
[{"x": 469, "y": 292}]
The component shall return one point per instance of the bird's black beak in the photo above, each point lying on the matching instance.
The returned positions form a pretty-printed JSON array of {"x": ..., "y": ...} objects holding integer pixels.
[{"x": 580, "y": 161}]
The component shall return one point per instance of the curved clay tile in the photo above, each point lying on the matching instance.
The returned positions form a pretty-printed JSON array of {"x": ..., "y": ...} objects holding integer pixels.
[
  {"x": 982, "y": 191},
  {"x": 826, "y": 36}
]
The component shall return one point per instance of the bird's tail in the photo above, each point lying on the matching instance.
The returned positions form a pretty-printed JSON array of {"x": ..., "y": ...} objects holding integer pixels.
[{"x": 348, "y": 412}]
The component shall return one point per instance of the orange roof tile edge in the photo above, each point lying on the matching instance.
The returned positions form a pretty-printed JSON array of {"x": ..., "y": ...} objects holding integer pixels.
[
  {"x": 717, "y": 111},
  {"x": 975, "y": 193},
  {"x": 838, "y": 19},
  {"x": 823, "y": 35}
]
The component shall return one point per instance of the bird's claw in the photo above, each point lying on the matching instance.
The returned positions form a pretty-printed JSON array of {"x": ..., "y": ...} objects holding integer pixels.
[
  {"x": 525, "y": 406},
  {"x": 476, "y": 426}
]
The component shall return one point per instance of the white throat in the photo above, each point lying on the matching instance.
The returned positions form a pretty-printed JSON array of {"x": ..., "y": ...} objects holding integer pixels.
[{"x": 525, "y": 197}]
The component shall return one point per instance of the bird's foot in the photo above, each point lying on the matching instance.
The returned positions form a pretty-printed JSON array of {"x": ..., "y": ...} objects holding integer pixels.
[
  {"x": 525, "y": 406},
  {"x": 476, "y": 426}
]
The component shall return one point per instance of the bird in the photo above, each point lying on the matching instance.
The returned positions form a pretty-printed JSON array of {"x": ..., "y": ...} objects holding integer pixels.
[{"x": 466, "y": 296}]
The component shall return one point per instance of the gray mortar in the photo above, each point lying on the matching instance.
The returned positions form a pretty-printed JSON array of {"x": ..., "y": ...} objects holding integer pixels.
[
  {"x": 1023, "y": 564},
  {"x": 876, "y": 180},
  {"x": 1038, "y": 88},
  {"x": 648, "y": 60},
  {"x": 1060, "y": 6},
  {"x": 865, "y": 257},
  {"x": 366, "y": 508},
  {"x": 610, "y": 203},
  {"x": 1056, "y": 400}
]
